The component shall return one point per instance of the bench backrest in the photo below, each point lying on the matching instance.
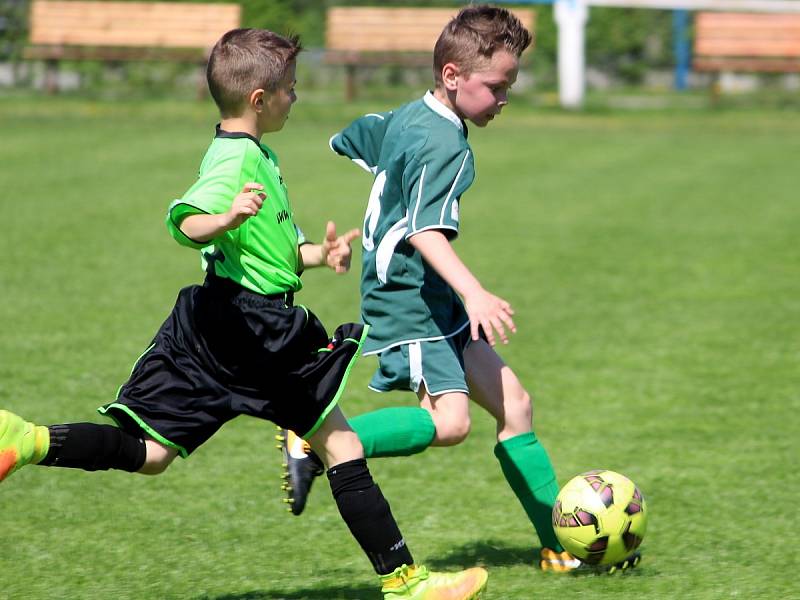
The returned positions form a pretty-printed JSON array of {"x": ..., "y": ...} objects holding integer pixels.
[
  {"x": 753, "y": 41},
  {"x": 130, "y": 24},
  {"x": 372, "y": 29}
]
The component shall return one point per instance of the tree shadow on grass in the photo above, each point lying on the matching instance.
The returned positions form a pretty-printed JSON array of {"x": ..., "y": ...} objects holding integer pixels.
[
  {"x": 486, "y": 553},
  {"x": 336, "y": 592},
  {"x": 494, "y": 553}
]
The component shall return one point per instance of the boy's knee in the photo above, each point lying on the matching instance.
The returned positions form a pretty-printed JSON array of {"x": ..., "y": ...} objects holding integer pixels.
[
  {"x": 158, "y": 458},
  {"x": 453, "y": 431},
  {"x": 338, "y": 447},
  {"x": 519, "y": 410}
]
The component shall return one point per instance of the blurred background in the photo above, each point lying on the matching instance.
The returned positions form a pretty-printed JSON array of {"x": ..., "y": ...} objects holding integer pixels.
[
  {"x": 636, "y": 203},
  {"x": 637, "y": 53}
]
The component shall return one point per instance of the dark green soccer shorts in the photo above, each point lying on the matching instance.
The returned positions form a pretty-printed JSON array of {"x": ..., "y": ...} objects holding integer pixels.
[{"x": 437, "y": 364}]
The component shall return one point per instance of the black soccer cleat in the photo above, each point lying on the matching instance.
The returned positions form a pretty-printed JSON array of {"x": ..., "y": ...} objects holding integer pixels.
[{"x": 301, "y": 466}]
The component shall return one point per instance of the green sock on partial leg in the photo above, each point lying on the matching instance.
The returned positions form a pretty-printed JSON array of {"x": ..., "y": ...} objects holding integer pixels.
[
  {"x": 530, "y": 474},
  {"x": 399, "y": 431}
]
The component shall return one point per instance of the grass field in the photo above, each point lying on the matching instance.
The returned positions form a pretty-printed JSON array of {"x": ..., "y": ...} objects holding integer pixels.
[{"x": 652, "y": 257}]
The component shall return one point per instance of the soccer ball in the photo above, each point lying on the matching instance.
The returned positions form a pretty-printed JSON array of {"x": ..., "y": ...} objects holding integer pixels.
[{"x": 600, "y": 517}]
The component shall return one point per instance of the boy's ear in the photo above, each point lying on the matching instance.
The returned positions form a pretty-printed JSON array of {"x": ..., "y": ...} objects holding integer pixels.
[
  {"x": 450, "y": 73},
  {"x": 256, "y": 100}
]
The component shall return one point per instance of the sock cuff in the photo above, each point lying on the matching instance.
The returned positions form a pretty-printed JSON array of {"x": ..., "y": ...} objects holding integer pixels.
[
  {"x": 349, "y": 476},
  {"x": 513, "y": 443}
]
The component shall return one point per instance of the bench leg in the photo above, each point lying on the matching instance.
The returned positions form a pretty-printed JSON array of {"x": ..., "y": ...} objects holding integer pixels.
[
  {"x": 349, "y": 83},
  {"x": 716, "y": 90},
  {"x": 51, "y": 76},
  {"x": 202, "y": 84}
]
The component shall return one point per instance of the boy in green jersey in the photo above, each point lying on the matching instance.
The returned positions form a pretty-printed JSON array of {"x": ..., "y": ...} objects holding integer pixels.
[
  {"x": 432, "y": 324},
  {"x": 237, "y": 345}
]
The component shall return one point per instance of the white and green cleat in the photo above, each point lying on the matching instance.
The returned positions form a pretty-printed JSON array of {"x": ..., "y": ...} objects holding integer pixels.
[
  {"x": 564, "y": 562},
  {"x": 417, "y": 583},
  {"x": 21, "y": 443}
]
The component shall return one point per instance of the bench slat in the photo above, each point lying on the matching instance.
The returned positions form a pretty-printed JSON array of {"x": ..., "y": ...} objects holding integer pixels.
[
  {"x": 746, "y": 64},
  {"x": 746, "y": 35},
  {"x": 138, "y": 24},
  {"x": 372, "y": 29},
  {"x": 764, "y": 48}
]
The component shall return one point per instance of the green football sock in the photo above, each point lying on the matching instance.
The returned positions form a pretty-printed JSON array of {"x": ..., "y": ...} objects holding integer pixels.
[
  {"x": 529, "y": 473},
  {"x": 400, "y": 431}
]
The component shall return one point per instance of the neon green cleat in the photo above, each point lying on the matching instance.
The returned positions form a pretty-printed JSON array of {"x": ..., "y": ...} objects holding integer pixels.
[
  {"x": 417, "y": 583},
  {"x": 21, "y": 443}
]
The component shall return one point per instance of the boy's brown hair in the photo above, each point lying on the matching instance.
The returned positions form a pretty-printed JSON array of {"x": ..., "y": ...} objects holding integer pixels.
[
  {"x": 474, "y": 35},
  {"x": 244, "y": 60}
]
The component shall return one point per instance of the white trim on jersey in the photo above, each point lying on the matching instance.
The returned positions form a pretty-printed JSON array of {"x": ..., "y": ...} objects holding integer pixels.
[
  {"x": 385, "y": 250},
  {"x": 419, "y": 197},
  {"x": 411, "y": 341},
  {"x": 330, "y": 142},
  {"x": 436, "y": 227},
  {"x": 359, "y": 161},
  {"x": 453, "y": 187},
  {"x": 439, "y": 108},
  {"x": 363, "y": 164}
]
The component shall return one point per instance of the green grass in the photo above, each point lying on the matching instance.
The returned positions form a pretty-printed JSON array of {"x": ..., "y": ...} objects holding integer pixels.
[{"x": 653, "y": 261}]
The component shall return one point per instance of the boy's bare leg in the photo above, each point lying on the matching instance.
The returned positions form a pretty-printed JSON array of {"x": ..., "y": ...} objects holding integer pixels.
[
  {"x": 157, "y": 458},
  {"x": 450, "y": 415},
  {"x": 370, "y": 520},
  {"x": 524, "y": 461},
  {"x": 495, "y": 387}
]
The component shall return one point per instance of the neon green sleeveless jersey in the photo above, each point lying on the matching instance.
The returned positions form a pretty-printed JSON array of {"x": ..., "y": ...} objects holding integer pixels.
[
  {"x": 421, "y": 163},
  {"x": 262, "y": 253}
]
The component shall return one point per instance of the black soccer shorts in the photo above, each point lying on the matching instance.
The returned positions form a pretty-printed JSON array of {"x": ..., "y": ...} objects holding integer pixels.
[{"x": 225, "y": 351}]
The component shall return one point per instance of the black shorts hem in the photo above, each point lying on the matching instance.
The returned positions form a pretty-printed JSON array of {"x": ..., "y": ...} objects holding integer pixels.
[{"x": 109, "y": 410}]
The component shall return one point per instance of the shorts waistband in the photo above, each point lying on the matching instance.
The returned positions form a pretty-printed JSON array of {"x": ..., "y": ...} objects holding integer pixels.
[{"x": 238, "y": 293}]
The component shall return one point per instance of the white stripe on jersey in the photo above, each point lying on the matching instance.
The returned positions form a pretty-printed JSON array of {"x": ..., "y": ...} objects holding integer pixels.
[
  {"x": 453, "y": 187},
  {"x": 419, "y": 197},
  {"x": 385, "y": 251}
]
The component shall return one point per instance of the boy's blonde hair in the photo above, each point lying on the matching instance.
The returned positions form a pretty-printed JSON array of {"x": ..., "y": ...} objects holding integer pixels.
[
  {"x": 474, "y": 35},
  {"x": 244, "y": 60}
]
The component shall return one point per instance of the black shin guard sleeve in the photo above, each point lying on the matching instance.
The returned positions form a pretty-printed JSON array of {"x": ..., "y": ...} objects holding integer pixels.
[
  {"x": 94, "y": 447},
  {"x": 368, "y": 516}
]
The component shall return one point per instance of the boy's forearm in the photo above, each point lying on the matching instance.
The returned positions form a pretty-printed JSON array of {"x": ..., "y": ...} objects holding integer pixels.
[
  {"x": 311, "y": 254},
  {"x": 437, "y": 251},
  {"x": 204, "y": 228}
]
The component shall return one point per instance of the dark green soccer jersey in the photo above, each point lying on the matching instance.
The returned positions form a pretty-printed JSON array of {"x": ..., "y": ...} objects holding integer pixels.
[
  {"x": 422, "y": 163},
  {"x": 262, "y": 253}
]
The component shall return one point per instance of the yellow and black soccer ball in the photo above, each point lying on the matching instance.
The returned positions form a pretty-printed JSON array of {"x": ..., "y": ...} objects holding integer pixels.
[{"x": 600, "y": 517}]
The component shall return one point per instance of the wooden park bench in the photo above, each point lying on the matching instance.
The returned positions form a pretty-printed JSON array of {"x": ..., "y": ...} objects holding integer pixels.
[
  {"x": 747, "y": 42},
  {"x": 372, "y": 36},
  {"x": 125, "y": 31}
]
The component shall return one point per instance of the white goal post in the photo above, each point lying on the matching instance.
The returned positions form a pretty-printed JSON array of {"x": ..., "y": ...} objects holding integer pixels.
[{"x": 571, "y": 17}]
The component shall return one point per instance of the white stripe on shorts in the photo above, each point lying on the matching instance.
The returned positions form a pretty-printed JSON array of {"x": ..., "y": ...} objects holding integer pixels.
[{"x": 415, "y": 365}]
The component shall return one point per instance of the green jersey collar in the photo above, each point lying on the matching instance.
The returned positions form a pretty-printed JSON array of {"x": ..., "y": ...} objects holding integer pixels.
[
  {"x": 440, "y": 109},
  {"x": 235, "y": 135}
]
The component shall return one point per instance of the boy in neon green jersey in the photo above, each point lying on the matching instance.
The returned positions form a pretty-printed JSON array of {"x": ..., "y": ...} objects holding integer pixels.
[
  {"x": 237, "y": 345},
  {"x": 432, "y": 324}
]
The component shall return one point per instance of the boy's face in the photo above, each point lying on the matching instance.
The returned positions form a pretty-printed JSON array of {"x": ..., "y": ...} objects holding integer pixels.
[
  {"x": 482, "y": 94},
  {"x": 278, "y": 103}
]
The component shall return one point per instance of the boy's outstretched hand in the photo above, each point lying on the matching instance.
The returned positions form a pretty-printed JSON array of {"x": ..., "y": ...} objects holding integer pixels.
[
  {"x": 336, "y": 251},
  {"x": 490, "y": 313}
]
